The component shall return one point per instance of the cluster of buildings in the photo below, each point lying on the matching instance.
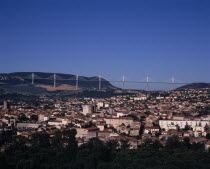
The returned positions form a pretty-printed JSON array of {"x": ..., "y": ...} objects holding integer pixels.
[{"x": 152, "y": 115}]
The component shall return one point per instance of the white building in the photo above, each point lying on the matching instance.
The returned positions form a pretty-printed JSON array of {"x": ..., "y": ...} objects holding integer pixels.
[
  {"x": 140, "y": 98},
  {"x": 120, "y": 114},
  {"x": 87, "y": 109},
  {"x": 198, "y": 131},
  {"x": 100, "y": 104},
  {"x": 58, "y": 122},
  {"x": 87, "y": 132},
  {"x": 43, "y": 117},
  {"x": 27, "y": 125},
  {"x": 167, "y": 124},
  {"x": 115, "y": 122},
  {"x": 54, "y": 122}
]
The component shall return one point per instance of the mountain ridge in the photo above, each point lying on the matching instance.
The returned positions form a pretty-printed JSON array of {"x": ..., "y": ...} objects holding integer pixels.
[
  {"x": 196, "y": 85},
  {"x": 44, "y": 82}
]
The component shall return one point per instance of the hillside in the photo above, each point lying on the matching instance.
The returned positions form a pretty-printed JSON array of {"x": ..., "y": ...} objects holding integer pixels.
[
  {"x": 44, "y": 83},
  {"x": 194, "y": 86}
]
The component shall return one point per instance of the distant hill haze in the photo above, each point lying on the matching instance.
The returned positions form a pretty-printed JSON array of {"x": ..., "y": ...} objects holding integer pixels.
[
  {"x": 44, "y": 82},
  {"x": 194, "y": 86}
]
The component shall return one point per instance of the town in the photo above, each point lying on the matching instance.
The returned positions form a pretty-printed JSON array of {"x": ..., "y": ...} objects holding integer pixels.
[{"x": 153, "y": 116}]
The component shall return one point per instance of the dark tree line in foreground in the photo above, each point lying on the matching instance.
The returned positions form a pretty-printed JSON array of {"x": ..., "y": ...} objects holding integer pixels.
[{"x": 61, "y": 152}]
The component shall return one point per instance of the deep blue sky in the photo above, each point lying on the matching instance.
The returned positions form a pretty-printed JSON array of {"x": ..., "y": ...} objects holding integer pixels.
[{"x": 159, "y": 38}]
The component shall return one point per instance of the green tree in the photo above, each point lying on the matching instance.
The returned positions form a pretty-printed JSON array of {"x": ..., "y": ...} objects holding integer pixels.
[
  {"x": 124, "y": 144},
  {"x": 172, "y": 143},
  {"x": 208, "y": 135},
  {"x": 187, "y": 127},
  {"x": 157, "y": 145},
  {"x": 70, "y": 142},
  {"x": 186, "y": 142},
  {"x": 40, "y": 139},
  {"x": 112, "y": 144}
]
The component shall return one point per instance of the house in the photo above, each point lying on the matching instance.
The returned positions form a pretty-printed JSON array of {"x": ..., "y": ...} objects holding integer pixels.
[
  {"x": 27, "y": 125},
  {"x": 176, "y": 133},
  {"x": 206, "y": 132},
  {"x": 134, "y": 131},
  {"x": 133, "y": 142},
  {"x": 188, "y": 133},
  {"x": 79, "y": 141},
  {"x": 152, "y": 130},
  {"x": 123, "y": 129},
  {"x": 103, "y": 135},
  {"x": 55, "y": 122},
  {"x": 207, "y": 145},
  {"x": 118, "y": 121},
  {"x": 198, "y": 140},
  {"x": 198, "y": 131},
  {"x": 164, "y": 137},
  {"x": 87, "y": 132},
  {"x": 145, "y": 136}
]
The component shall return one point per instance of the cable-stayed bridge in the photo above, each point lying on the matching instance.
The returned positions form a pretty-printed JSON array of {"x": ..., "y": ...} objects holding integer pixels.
[{"x": 55, "y": 78}]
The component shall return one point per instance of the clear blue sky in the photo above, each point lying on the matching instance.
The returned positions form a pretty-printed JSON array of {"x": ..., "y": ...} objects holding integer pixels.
[{"x": 159, "y": 38}]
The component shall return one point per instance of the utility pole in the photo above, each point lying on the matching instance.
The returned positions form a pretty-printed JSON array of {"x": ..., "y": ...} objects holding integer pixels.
[
  {"x": 54, "y": 80},
  {"x": 147, "y": 84},
  {"x": 123, "y": 82},
  {"x": 99, "y": 82},
  {"x": 32, "y": 78},
  {"x": 172, "y": 80},
  {"x": 77, "y": 79}
]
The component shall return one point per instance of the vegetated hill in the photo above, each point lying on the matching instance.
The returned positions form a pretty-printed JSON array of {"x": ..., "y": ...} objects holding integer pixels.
[
  {"x": 43, "y": 82},
  {"x": 194, "y": 86},
  {"x": 15, "y": 96}
]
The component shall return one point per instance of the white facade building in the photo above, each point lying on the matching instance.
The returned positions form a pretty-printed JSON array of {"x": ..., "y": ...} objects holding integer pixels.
[
  {"x": 87, "y": 109},
  {"x": 167, "y": 124}
]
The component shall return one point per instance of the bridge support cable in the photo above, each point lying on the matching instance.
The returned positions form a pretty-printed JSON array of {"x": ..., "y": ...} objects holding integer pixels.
[
  {"x": 32, "y": 78},
  {"x": 123, "y": 82},
  {"x": 99, "y": 82},
  {"x": 172, "y": 81},
  {"x": 147, "y": 83},
  {"x": 54, "y": 80},
  {"x": 77, "y": 80}
]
